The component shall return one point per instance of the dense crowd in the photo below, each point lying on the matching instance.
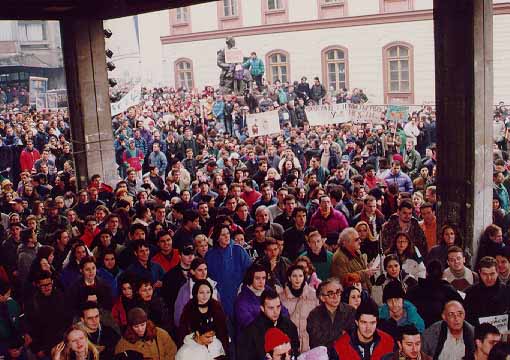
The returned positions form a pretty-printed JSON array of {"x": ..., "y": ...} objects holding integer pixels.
[{"x": 318, "y": 242}]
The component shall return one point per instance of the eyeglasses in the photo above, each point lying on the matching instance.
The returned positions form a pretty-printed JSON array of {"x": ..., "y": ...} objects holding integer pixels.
[{"x": 331, "y": 294}]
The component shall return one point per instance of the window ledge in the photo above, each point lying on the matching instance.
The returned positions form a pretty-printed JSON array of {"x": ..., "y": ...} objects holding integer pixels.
[
  {"x": 332, "y": 5},
  {"x": 276, "y": 11},
  {"x": 180, "y": 24},
  {"x": 227, "y": 18}
]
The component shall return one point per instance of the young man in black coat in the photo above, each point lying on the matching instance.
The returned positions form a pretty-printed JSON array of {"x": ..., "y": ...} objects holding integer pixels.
[{"x": 251, "y": 340}]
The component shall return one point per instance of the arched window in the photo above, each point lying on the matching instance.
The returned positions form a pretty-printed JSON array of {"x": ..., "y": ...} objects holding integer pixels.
[
  {"x": 334, "y": 68},
  {"x": 398, "y": 72},
  {"x": 278, "y": 66},
  {"x": 184, "y": 73}
]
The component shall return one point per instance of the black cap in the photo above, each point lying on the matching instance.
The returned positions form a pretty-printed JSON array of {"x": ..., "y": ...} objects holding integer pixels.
[{"x": 188, "y": 250}]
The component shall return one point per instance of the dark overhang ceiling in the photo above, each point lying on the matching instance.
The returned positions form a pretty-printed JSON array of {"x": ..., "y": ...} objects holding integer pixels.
[{"x": 102, "y": 9}]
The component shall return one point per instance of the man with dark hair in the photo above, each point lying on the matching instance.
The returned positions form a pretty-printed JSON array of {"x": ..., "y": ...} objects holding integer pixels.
[
  {"x": 102, "y": 336},
  {"x": 275, "y": 264},
  {"x": 294, "y": 238},
  {"x": 457, "y": 273},
  {"x": 190, "y": 224},
  {"x": 503, "y": 261},
  {"x": 47, "y": 315},
  {"x": 399, "y": 178},
  {"x": 409, "y": 345},
  {"x": 364, "y": 341},
  {"x": 143, "y": 266},
  {"x": 285, "y": 219},
  {"x": 370, "y": 214},
  {"x": 486, "y": 336},
  {"x": 327, "y": 322},
  {"x": 266, "y": 199},
  {"x": 403, "y": 221},
  {"x": 167, "y": 257},
  {"x": 431, "y": 294},
  {"x": 251, "y": 340},
  {"x": 489, "y": 297}
]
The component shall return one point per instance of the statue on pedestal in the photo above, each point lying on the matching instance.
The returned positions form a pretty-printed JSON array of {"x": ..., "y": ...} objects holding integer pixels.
[{"x": 227, "y": 69}]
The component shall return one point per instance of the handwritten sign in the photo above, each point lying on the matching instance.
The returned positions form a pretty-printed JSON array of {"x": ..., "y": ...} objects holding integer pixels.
[
  {"x": 499, "y": 321},
  {"x": 133, "y": 97},
  {"x": 233, "y": 56},
  {"x": 265, "y": 123},
  {"x": 319, "y": 115}
]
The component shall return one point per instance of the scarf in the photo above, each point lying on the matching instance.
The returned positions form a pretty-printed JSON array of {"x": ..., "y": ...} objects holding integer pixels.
[{"x": 296, "y": 292}]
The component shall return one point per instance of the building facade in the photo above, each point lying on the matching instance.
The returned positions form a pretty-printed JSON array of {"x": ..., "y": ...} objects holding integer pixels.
[
  {"x": 31, "y": 48},
  {"x": 385, "y": 47}
]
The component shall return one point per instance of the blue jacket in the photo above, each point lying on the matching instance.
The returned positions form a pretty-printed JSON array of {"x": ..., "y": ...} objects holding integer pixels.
[
  {"x": 411, "y": 314},
  {"x": 154, "y": 270},
  {"x": 402, "y": 180},
  {"x": 111, "y": 280},
  {"x": 227, "y": 267},
  {"x": 218, "y": 109},
  {"x": 256, "y": 66}
]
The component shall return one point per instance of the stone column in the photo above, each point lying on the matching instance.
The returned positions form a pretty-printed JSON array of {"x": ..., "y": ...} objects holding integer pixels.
[
  {"x": 464, "y": 100},
  {"x": 89, "y": 102}
]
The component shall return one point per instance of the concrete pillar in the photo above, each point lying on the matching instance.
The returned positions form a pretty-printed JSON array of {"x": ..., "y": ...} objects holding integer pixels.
[
  {"x": 464, "y": 99},
  {"x": 89, "y": 103}
]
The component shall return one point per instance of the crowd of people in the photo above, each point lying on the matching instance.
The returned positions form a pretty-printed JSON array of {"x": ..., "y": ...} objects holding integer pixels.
[{"x": 315, "y": 243}]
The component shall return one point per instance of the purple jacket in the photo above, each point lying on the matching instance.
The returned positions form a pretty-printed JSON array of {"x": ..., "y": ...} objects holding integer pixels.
[
  {"x": 402, "y": 180},
  {"x": 247, "y": 308},
  {"x": 334, "y": 223}
]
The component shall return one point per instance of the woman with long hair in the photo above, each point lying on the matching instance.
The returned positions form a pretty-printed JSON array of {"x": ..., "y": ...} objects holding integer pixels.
[
  {"x": 76, "y": 346},
  {"x": 352, "y": 296},
  {"x": 449, "y": 236},
  {"x": 310, "y": 272},
  {"x": 369, "y": 244},
  {"x": 394, "y": 272},
  {"x": 126, "y": 300},
  {"x": 409, "y": 256},
  {"x": 300, "y": 299},
  {"x": 203, "y": 306}
]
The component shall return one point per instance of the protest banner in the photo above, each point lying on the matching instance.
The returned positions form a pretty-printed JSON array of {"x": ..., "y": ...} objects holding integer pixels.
[
  {"x": 499, "y": 321},
  {"x": 37, "y": 86},
  {"x": 397, "y": 113},
  {"x": 133, "y": 97},
  {"x": 363, "y": 113},
  {"x": 319, "y": 115},
  {"x": 233, "y": 56},
  {"x": 264, "y": 123}
]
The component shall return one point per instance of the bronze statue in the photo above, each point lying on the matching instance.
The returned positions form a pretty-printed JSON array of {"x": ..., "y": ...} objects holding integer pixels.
[{"x": 227, "y": 70}]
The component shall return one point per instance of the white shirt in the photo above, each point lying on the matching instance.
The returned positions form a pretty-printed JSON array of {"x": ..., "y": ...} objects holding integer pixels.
[{"x": 453, "y": 349}]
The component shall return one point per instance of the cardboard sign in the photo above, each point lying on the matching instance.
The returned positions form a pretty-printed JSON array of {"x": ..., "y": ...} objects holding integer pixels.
[
  {"x": 264, "y": 123},
  {"x": 133, "y": 97},
  {"x": 233, "y": 56},
  {"x": 320, "y": 115},
  {"x": 397, "y": 113},
  {"x": 499, "y": 321}
]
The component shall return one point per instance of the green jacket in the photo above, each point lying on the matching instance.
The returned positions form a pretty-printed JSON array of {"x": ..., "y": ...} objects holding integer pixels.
[
  {"x": 256, "y": 66},
  {"x": 11, "y": 324}
]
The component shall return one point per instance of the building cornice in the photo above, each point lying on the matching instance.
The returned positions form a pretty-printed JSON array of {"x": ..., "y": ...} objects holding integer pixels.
[{"x": 349, "y": 21}]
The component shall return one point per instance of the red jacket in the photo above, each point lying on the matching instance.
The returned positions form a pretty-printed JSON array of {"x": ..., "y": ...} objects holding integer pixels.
[
  {"x": 250, "y": 197},
  {"x": 27, "y": 159},
  {"x": 347, "y": 350},
  {"x": 167, "y": 263},
  {"x": 335, "y": 222}
]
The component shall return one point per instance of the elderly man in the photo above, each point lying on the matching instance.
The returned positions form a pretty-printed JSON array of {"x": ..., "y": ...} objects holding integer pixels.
[
  {"x": 451, "y": 338},
  {"x": 263, "y": 217},
  {"x": 348, "y": 258},
  {"x": 327, "y": 322},
  {"x": 326, "y": 219}
]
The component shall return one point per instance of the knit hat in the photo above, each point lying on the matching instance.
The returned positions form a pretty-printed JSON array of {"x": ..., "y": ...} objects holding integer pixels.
[
  {"x": 393, "y": 290},
  {"x": 136, "y": 316},
  {"x": 274, "y": 337}
]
